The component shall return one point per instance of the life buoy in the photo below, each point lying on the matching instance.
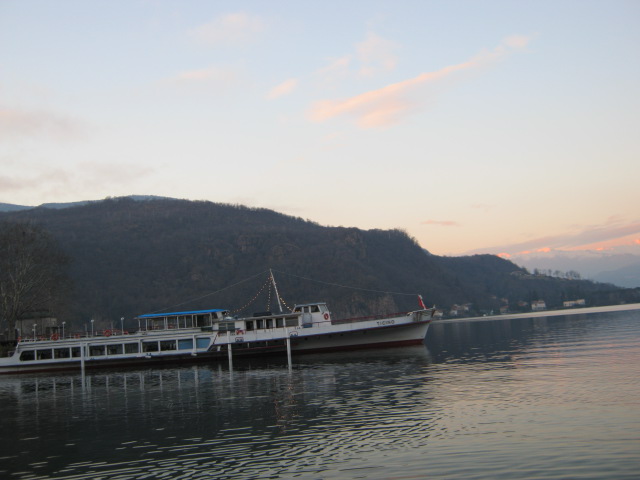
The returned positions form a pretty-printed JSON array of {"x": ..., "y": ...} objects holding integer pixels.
[
  {"x": 77, "y": 335},
  {"x": 55, "y": 336},
  {"x": 326, "y": 316},
  {"x": 239, "y": 332},
  {"x": 107, "y": 333}
]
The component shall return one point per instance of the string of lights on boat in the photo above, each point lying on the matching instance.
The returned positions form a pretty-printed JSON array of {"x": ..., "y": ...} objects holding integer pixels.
[{"x": 268, "y": 283}]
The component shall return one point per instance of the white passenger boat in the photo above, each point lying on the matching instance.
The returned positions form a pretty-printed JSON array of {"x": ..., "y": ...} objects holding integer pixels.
[{"x": 204, "y": 335}]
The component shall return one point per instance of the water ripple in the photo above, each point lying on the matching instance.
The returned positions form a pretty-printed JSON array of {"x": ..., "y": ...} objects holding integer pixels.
[{"x": 534, "y": 398}]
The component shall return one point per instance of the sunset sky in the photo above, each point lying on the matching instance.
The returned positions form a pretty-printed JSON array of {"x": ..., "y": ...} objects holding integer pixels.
[{"x": 476, "y": 126}]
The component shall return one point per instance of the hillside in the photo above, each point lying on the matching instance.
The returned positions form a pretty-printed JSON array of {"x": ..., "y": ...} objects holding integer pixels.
[{"x": 137, "y": 256}]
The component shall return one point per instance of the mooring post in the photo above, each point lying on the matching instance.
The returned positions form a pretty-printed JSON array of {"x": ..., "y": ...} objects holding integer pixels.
[
  {"x": 229, "y": 353},
  {"x": 289, "y": 349},
  {"x": 83, "y": 378}
]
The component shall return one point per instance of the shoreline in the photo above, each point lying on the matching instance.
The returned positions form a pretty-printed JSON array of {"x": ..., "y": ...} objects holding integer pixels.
[{"x": 549, "y": 313}]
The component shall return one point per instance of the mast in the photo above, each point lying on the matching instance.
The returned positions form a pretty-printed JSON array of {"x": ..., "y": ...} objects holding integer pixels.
[{"x": 275, "y": 287}]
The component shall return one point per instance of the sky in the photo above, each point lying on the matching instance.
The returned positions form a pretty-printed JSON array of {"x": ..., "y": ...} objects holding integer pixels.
[{"x": 475, "y": 126}]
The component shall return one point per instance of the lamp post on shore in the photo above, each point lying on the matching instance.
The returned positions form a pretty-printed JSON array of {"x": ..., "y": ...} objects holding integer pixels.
[
  {"x": 121, "y": 325},
  {"x": 92, "y": 327},
  {"x": 63, "y": 324}
]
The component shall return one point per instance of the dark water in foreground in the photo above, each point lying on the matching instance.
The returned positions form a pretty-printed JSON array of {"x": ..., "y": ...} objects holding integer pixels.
[{"x": 547, "y": 398}]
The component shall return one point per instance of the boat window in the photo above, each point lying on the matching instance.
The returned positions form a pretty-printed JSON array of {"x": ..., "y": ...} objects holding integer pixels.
[
  {"x": 44, "y": 354},
  {"x": 227, "y": 326},
  {"x": 202, "y": 320},
  {"x": 61, "y": 353},
  {"x": 269, "y": 322},
  {"x": 167, "y": 345},
  {"x": 315, "y": 308},
  {"x": 185, "y": 344},
  {"x": 114, "y": 349},
  {"x": 279, "y": 322},
  {"x": 96, "y": 350},
  {"x": 202, "y": 342},
  {"x": 259, "y": 324},
  {"x": 27, "y": 356},
  {"x": 158, "y": 324},
  {"x": 75, "y": 352},
  {"x": 131, "y": 348},
  {"x": 173, "y": 322},
  {"x": 249, "y": 325},
  {"x": 291, "y": 322},
  {"x": 297, "y": 309},
  {"x": 149, "y": 346}
]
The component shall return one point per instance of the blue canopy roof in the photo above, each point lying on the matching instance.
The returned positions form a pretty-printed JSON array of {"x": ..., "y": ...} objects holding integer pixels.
[{"x": 170, "y": 314}]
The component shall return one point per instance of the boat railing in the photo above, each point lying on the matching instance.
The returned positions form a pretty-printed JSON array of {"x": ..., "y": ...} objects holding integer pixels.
[{"x": 74, "y": 335}]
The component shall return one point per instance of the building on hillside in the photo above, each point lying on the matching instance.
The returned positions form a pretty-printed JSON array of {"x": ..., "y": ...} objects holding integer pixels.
[
  {"x": 538, "y": 305},
  {"x": 459, "y": 309},
  {"x": 574, "y": 303}
]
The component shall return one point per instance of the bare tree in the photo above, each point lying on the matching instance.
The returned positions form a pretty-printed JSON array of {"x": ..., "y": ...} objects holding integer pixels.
[{"x": 32, "y": 273}]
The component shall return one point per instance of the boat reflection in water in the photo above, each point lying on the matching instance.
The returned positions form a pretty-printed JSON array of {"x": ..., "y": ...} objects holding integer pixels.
[{"x": 503, "y": 398}]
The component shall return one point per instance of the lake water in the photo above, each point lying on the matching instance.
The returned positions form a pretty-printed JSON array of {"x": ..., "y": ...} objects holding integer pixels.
[{"x": 536, "y": 398}]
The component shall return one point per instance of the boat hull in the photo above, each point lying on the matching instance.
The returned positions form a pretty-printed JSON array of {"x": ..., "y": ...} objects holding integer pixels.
[{"x": 392, "y": 336}]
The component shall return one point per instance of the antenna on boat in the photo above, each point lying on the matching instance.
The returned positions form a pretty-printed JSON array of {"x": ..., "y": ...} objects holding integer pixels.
[{"x": 275, "y": 287}]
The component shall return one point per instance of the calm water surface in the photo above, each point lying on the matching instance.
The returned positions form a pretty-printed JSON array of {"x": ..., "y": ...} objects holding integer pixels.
[{"x": 543, "y": 398}]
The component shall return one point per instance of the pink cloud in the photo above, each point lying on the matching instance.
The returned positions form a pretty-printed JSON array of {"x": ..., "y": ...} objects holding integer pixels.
[
  {"x": 376, "y": 53},
  {"x": 96, "y": 176},
  {"x": 386, "y": 105},
  {"x": 28, "y": 123},
  {"x": 338, "y": 64},
  {"x": 232, "y": 28},
  {"x": 205, "y": 78},
  {"x": 282, "y": 89},
  {"x": 591, "y": 237}
]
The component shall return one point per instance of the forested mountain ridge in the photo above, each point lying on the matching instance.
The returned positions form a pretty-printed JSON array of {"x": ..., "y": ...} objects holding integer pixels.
[{"x": 131, "y": 257}]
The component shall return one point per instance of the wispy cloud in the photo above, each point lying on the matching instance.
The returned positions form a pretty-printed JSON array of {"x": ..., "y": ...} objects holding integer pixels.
[
  {"x": 27, "y": 123},
  {"x": 441, "y": 223},
  {"x": 283, "y": 89},
  {"x": 96, "y": 176},
  {"x": 376, "y": 53},
  {"x": 336, "y": 65},
  {"x": 590, "y": 235},
  {"x": 482, "y": 206},
  {"x": 211, "y": 77},
  {"x": 387, "y": 105},
  {"x": 230, "y": 29}
]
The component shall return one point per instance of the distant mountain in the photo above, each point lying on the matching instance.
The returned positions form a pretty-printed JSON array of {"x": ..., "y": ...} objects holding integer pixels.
[
  {"x": 628, "y": 276},
  {"x": 8, "y": 207},
  {"x": 619, "y": 266},
  {"x": 131, "y": 257}
]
